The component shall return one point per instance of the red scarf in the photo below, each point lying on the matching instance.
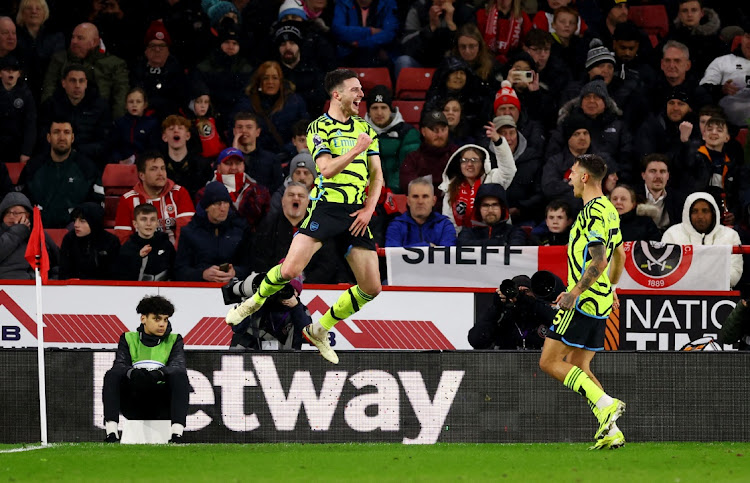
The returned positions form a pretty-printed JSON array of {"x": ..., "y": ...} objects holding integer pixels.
[
  {"x": 235, "y": 183},
  {"x": 502, "y": 35},
  {"x": 463, "y": 205}
]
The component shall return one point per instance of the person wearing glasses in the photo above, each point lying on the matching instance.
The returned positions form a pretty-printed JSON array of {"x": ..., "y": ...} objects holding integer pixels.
[
  {"x": 491, "y": 216},
  {"x": 467, "y": 169}
]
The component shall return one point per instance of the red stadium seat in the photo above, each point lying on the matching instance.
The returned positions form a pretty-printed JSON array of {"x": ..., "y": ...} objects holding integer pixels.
[
  {"x": 57, "y": 234},
  {"x": 736, "y": 41},
  {"x": 651, "y": 18},
  {"x": 362, "y": 107},
  {"x": 413, "y": 82},
  {"x": 118, "y": 179},
  {"x": 411, "y": 111},
  {"x": 110, "y": 210},
  {"x": 742, "y": 136},
  {"x": 400, "y": 201},
  {"x": 14, "y": 171},
  {"x": 370, "y": 77}
]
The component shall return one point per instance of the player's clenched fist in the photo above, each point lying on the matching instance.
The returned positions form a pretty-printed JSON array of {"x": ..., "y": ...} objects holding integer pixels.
[{"x": 363, "y": 142}]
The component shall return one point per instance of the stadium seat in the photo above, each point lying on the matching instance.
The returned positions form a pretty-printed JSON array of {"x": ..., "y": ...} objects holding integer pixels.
[
  {"x": 118, "y": 179},
  {"x": 110, "y": 210},
  {"x": 742, "y": 136},
  {"x": 370, "y": 77},
  {"x": 400, "y": 201},
  {"x": 413, "y": 82},
  {"x": 362, "y": 107},
  {"x": 57, "y": 234},
  {"x": 651, "y": 18},
  {"x": 411, "y": 111},
  {"x": 14, "y": 170},
  {"x": 736, "y": 41}
]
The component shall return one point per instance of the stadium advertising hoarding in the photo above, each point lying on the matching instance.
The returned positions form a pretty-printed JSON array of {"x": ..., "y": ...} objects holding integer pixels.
[
  {"x": 408, "y": 397},
  {"x": 648, "y": 266}
]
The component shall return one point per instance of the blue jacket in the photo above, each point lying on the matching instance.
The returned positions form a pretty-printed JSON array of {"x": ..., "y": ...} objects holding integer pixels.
[
  {"x": 404, "y": 231},
  {"x": 347, "y": 26},
  {"x": 134, "y": 135},
  {"x": 203, "y": 244}
]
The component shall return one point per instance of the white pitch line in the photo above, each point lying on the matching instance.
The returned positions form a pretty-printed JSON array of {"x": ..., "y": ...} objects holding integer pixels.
[{"x": 21, "y": 450}]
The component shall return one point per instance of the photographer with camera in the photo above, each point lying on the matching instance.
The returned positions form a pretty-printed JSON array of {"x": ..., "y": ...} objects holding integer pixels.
[
  {"x": 520, "y": 314},
  {"x": 281, "y": 318}
]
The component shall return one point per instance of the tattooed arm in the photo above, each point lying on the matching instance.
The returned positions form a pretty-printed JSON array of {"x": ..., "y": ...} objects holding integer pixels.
[{"x": 594, "y": 269}]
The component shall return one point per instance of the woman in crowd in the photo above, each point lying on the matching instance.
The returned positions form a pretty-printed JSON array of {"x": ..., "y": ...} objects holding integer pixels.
[{"x": 634, "y": 226}]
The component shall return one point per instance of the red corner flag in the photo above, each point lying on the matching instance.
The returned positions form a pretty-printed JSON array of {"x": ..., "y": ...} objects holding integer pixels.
[{"x": 37, "y": 246}]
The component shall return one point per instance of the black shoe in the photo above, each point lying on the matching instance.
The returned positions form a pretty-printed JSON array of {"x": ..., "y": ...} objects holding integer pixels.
[
  {"x": 112, "y": 438},
  {"x": 176, "y": 439}
]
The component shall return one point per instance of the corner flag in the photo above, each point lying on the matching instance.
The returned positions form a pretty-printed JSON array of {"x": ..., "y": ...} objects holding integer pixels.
[{"x": 37, "y": 246}]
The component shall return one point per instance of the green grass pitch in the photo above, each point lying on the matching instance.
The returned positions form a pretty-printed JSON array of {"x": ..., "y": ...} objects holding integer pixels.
[{"x": 559, "y": 462}]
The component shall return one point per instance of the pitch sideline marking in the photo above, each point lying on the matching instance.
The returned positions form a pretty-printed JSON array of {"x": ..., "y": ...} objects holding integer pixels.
[{"x": 20, "y": 450}]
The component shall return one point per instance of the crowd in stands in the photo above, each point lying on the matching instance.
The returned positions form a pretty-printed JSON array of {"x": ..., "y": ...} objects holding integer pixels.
[{"x": 209, "y": 100}]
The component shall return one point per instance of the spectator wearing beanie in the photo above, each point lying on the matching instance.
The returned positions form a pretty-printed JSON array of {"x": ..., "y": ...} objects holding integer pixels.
[
  {"x": 251, "y": 200},
  {"x": 302, "y": 169},
  {"x": 214, "y": 246},
  {"x": 299, "y": 67},
  {"x": 317, "y": 42},
  {"x": 200, "y": 112},
  {"x": 576, "y": 130},
  {"x": 525, "y": 198},
  {"x": 507, "y": 103},
  {"x": 670, "y": 130},
  {"x": 159, "y": 73},
  {"x": 218, "y": 10},
  {"x": 395, "y": 137},
  {"x": 225, "y": 72},
  {"x": 627, "y": 94},
  {"x": 609, "y": 134}
]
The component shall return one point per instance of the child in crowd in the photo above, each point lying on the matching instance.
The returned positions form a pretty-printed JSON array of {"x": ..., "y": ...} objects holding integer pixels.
[
  {"x": 88, "y": 252},
  {"x": 135, "y": 132},
  {"x": 544, "y": 18},
  {"x": 200, "y": 113},
  {"x": 568, "y": 46},
  {"x": 555, "y": 230},
  {"x": 147, "y": 255},
  {"x": 298, "y": 144},
  {"x": 17, "y": 114}
]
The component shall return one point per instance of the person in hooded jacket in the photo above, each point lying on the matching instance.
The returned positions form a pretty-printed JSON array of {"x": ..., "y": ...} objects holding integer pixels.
[
  {"x": 396, "y": 137},
  {"x": 467, "y": 169},
  {"x": 15, "y": 229},
  {"x": 89, "y": 251},
  {"x": 700, "y": 226},
  {"x": 492, "y": 227},
  {"x": 148, "y": 379},
  {"x": 214, "y": 245}
]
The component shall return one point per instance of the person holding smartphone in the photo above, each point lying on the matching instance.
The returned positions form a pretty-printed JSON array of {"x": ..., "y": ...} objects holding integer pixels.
[{"x": 214, "y": 245}]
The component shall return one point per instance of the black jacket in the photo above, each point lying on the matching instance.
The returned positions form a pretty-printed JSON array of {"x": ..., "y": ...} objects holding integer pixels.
[
  {"x": 635, "y": 227},
  {"x": 89, "y": 257},
  {"x": 499, "y": 234},
  {"x": 17, "y": 122},
  {"x": 504, "y": 326},
  {"x": 166, "y": 87},
  {"x": 159, "y": 263},
  {"x": 91, "y": 120},
  {"x": 192, "y": 173}
]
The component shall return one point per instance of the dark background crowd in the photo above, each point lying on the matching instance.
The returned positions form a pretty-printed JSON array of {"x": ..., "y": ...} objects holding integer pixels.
[{"x": 202, "y": 107}]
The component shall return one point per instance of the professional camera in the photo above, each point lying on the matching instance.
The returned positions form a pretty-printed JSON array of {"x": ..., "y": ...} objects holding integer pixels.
[{"x": 235, "y": 291}]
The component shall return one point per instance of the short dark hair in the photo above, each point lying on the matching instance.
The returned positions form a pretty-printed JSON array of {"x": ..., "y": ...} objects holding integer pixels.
[
  {"x": 246, "y": 116},
  {"x": 711, "y": 110},
  {"x": 299, "y": 128},
  {"x": 655, "y": 158},
  {"x": 155, "y": 304},
  {"x": 680, "y": 2},
  {"x": 140, "y": 161},
  {"x": 144, "y": 209},
  {"x": 138, "y": 89},
  {"x": 538, "y": 38},
  {"x": 61, "y": 120},
  {"x": 74, "y": 68},
  {"x": 717, "y": 121},
  {"x": 555, "y": 205},
  {"x": 565, "y": 9},
  {"x": 335, "y": 78},
  {"x": 593, "y": 164}
]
